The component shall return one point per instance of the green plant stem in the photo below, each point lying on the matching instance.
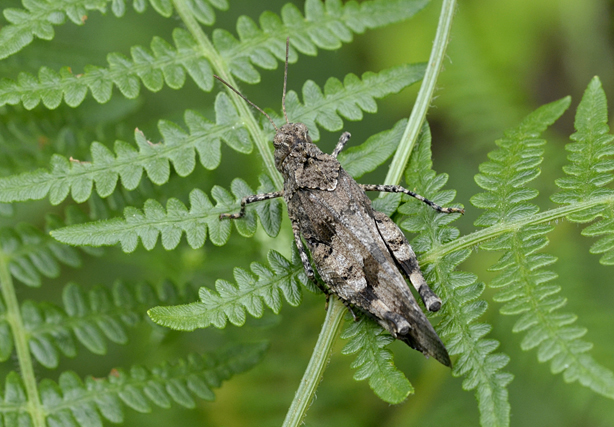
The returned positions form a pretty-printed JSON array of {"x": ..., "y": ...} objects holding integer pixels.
[
  {"x": 472, "y": 240},
  {"x": 423, "y": 101},
  {"x": 15, "y": 321},
  {"x": 260, "y": 139},
  {"x": 317, "y": 364}
]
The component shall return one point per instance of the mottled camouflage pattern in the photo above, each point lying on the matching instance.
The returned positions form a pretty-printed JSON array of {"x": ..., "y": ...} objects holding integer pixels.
[{"x": 357, "y": 251}]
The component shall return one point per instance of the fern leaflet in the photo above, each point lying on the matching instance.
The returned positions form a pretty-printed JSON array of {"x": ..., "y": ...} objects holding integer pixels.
[
  {"x": 31, "y": 254},
  {"x": 522, "y": 282},
  {"x": 458, "y": 290},
  {"x": 263, "y": 286},
  {"x": 324, "y": 26},
  {"x": 166, "y": 63},
  {"x": 40, "y": 16},
  {"x": 78, "y": 177},
  {"x": 154, "y": 220},
  {"x": 202, "y": 219},
  {"x": 102, "y": 315},
  {"x": 128, "y": 163},
  {"x": 73, "y": 402},
  {"x": 591, "y": 169},
  {"x": 374, "y": 361}
]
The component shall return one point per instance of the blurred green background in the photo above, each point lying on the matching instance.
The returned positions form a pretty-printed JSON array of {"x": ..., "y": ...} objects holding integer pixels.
[{"x": 505, "y": 58}]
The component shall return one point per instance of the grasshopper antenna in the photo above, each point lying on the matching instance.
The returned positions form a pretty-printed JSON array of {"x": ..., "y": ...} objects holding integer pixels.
[
  {"x": 250, "y": 102},
  {"x": 283, "y": 96}
]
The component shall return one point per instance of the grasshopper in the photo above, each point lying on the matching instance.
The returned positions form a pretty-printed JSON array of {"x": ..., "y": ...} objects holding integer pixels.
[{"x": 359, "y": 253}]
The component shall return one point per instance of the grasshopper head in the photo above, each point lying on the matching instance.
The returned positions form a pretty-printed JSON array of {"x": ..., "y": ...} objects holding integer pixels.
[{"x": 290, "y": 137}]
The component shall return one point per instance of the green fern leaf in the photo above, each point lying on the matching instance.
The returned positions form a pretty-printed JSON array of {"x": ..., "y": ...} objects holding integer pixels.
[
  {"x": 29, "y": 139},
  {"x": 374, "y": 361},
  {"x": 73, "y": 402},
  {"x": 128, "y": 163},
  {"x": 162, "y": 63},
  {"x": 170, "y": 223},
  {"x": 14, "y": 393},
  {"x": 203, "y": 10},
  {"x": 358, "y": 160},
  {"x": 104, "y": 170},
  {"x": 349, "y": 98},
  {"x": 102, "y": 314},
  {"x": 165, "y": 63},
  {"x": 325, "y": 26},
  {"x": 31, "y": 254},
  {"x": 458, "y": 290},
  {"x": 40, "y": 16},
  {"x": 590, "y": 170},
  {"x": 229, "y": 302},
  {"x": 522, "y": 282}
]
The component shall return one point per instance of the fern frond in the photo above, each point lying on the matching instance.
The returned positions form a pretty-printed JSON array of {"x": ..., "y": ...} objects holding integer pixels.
[
  {"x": 39, "y": 17},
  {"x": 170, "y": 223},
  {"x": 73, "y": 402},
  {"x": 348, "y": 99},
  {"x": 31, "y": 254},
  {"x": 102, "y": 314},
  {"x": 163, "y": 63},
  {"x": 166, "y": 63},
  {"x": 104, "y": 170},
  {"x": 374, "y": 361},
  {"x": 324, "y": 25},
  {"x": 153, "y": 220},
  {"x": 458, "y": 290},
  {"x": 28, "y": 139},
  {"x": 128, "y": 163},
  {"x": 512, "y": 166},
  {"x": 264, "y": 286},
  {"x": 591, "y": 170},
  {"x": 523, "y": 282}
]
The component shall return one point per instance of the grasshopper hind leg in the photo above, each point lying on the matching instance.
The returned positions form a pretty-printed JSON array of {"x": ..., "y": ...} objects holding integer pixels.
[{"x": 402, "y": 252}]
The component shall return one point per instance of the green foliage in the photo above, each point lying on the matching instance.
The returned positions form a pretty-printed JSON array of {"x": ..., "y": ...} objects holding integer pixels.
[
  {"x": 203, "y": 216},
  {"x": 44, "y": 331},
  {"x": 590, "y": 171},
  {"x": 81, "y": 146},
  {"x": 105, "y": 169},
  {"x": 523, "y": 282},
  {"x": 30, "y": 254},
  {"x": 348, "y": 99},
  {"x": 459, "y": 291},
  {"x": 39, "y": 17},
  {"x": 163, "y": 63},
  {"x": 102, "y": 314},
  {"x": 74, "y": 402},
  {"x": 128, "y": 164},
  {"x": 202, "y": 219},
  {"x": 229, "y": 302},
  {"x": 374, "y": 361}
]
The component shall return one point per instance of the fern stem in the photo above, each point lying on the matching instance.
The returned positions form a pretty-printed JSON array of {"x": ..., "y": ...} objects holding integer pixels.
[
  {"x": 423, "y": 101},
  {"x": 315, "y": 370},
  {"x": 14, "y": 319},
  {"x": 218, "y": 64},
  {"x": 470, "y": 241}
]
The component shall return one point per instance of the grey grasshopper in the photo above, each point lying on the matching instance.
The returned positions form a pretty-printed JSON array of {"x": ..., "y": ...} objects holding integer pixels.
[{"x": 359, "y": 253}]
